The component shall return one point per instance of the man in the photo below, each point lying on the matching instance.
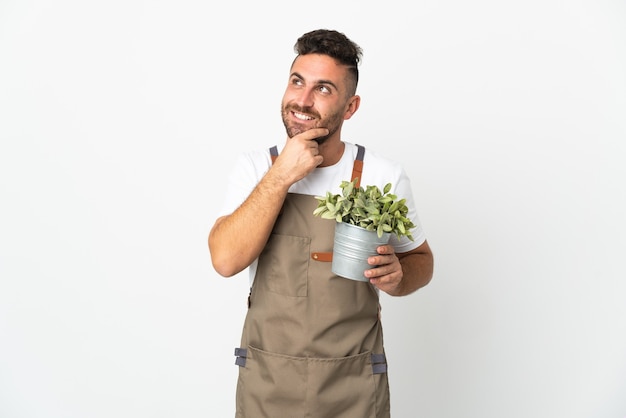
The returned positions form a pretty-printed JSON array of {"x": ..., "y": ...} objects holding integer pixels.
[{"x": 312, "y": 341}]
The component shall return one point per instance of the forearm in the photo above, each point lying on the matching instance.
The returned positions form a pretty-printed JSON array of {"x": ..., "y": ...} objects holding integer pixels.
[{"x": 236, "y": 240}]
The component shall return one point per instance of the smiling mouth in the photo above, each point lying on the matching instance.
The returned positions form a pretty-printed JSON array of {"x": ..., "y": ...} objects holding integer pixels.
[{"x": 302, "y": 116}]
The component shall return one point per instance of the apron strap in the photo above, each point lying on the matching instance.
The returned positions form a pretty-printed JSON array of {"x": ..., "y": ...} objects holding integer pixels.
[
  {"x": 379, "y": 363},
  {"x": 274, "y": 153},
  {"x": 322, "y": 256},
  {"x": 357, "y": 171},
  {"x": 241, "y": 354},
  {"x": 357, "y": 168}
]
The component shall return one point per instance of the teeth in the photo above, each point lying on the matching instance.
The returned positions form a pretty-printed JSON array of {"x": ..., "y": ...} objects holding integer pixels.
[{"x": 301, "y": 116}]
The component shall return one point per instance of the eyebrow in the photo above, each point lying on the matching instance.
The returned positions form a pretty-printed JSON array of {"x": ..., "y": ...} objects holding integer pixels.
[{"x": 318, "y": 82}]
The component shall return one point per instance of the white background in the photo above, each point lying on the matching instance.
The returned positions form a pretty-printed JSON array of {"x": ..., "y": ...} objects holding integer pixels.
[{"x": 118, "y": 122}]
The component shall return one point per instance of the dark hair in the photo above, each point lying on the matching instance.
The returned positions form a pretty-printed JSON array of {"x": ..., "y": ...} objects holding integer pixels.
[{"x": 334, "y": 44}]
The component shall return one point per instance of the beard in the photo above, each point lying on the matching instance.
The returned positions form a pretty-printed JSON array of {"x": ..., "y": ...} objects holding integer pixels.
[{"x": 332, "y": 123}]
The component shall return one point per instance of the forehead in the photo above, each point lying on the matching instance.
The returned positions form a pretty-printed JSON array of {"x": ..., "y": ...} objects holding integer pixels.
[{"x": 315, "y": 67}]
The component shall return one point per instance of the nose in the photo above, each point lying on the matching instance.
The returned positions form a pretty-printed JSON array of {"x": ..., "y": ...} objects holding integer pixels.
[{"x": 305, "y": 98}]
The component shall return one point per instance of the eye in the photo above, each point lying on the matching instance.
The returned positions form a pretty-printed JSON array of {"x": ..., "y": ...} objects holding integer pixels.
[
  {"x": 296, "y": 81},
  {"x": 323, "y": 89}
]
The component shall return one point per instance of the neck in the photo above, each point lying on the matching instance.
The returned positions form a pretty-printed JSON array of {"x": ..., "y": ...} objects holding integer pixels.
[{"x": 332, "y": 152}]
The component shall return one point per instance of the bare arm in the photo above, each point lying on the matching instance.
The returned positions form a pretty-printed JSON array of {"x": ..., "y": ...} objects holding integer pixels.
[
  {"x": 236, "y": 240},
  {"x": 403, "y": 273}
]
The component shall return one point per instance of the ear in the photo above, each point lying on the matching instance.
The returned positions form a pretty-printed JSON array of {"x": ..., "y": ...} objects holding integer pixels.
[{"x": 353, "y": 105}]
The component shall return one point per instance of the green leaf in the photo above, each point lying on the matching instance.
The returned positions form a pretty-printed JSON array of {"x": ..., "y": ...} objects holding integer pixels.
[
  {"x": 348, "y": 189},
  {"x": 320, "y": 210},
  {"x": 328, "y": 215},
  {"x": 371, "y": 208},
  {"x": 366, "y": 207}
]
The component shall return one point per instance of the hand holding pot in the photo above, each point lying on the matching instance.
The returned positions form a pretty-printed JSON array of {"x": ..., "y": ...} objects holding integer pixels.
[{"x": 387, "y": 273}]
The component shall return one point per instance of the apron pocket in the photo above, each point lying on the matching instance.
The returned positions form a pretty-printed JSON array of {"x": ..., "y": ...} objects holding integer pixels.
[
  {"x": 271, "y": 385},
  {"x": 283, "y": 265},
  {"x": 275, "y": 385},
  {"x": 342, "y": 387}
]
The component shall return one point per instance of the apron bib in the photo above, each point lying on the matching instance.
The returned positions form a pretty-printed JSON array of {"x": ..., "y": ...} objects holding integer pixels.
[{"x": 312, "y": 343}]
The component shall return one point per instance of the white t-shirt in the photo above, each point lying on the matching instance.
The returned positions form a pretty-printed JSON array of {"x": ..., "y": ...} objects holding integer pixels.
[{"x": 251, "y": 166}]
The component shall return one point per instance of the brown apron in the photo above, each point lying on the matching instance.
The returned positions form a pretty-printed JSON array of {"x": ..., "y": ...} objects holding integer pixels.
[{"x": 312, "y": 343}]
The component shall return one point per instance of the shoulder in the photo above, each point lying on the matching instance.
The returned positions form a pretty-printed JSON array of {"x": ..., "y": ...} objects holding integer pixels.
[
  {"x": 257, "y": 154},
  {"x": 257, "y": 160},
  {"x": 380, "y": 169},
  {"x": 373, "y": 156}
]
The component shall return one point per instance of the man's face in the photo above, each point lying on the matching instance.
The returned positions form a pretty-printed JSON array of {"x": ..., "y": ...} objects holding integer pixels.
[{"x": 316, "y": 96}]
